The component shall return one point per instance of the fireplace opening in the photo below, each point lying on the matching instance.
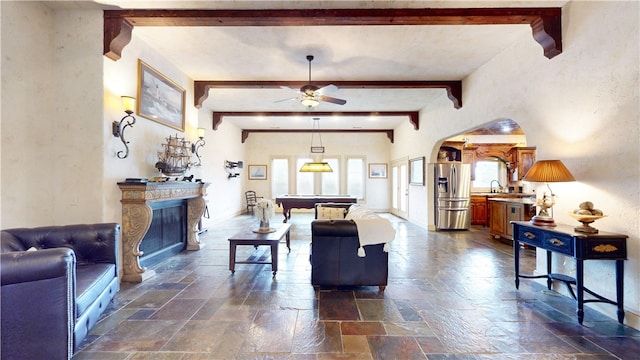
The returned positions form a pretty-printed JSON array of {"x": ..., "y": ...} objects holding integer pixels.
[{"x": 167, "y": 235}]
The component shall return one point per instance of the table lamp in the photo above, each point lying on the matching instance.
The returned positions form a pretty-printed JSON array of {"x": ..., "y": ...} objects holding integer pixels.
[{"x": 547, "y": 171}]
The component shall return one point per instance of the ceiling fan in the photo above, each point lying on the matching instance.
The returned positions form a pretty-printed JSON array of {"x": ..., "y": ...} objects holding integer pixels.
[{"x": 311, "y": 95}]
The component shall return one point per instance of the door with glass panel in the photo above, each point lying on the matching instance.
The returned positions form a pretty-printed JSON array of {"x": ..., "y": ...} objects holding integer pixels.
[{"x": 399, "y": 188}]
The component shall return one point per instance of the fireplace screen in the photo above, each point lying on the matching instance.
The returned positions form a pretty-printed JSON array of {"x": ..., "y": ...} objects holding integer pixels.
[{"x": 167, "y": 234}]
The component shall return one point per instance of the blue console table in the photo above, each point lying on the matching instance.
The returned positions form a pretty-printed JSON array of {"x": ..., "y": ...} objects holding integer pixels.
[{"x": 564, "y": 240}]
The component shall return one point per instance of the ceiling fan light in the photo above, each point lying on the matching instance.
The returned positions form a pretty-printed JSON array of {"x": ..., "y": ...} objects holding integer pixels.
[
  {"x": 309, "y": 102},
  {"x": 316, "y": 167}
]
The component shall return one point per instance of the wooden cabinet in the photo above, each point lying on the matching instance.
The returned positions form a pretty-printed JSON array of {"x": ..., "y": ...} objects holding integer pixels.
[
  {"x": 502, "y": 213},
  {"x": 523, "y": 159},
  {"x": 497, "y": 211},
  {"x": 479, "y": 210},
  {"x": 450, "y": 151},
  {"x": 469, "y": 157}
]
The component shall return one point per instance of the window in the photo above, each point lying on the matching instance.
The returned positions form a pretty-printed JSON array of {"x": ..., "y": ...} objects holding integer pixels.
[
  {"x": 486, "y": 171},
  {"x": 283, "y": 170},
  {"x": 305, "y": 181},
  {"x": 331, "y": 181},
  {"x": 279, "y": 177},
  {"x": 356, "y": 177}
]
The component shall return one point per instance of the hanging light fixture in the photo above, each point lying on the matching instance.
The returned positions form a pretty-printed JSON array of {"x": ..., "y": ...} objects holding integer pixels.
[
  {"x": 316, "y": 166},
  {"x": 309, "y": 101}
]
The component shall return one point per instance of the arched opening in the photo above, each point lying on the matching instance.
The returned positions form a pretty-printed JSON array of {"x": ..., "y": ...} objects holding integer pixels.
[{"x": 497, "y": 157}]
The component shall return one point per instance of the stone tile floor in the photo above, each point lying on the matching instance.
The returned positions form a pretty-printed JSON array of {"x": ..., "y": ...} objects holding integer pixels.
[{"x": 451, "y": 295}]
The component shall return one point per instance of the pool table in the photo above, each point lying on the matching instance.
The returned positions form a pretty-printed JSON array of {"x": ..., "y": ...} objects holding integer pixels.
[{"x": 289, "y": 202}]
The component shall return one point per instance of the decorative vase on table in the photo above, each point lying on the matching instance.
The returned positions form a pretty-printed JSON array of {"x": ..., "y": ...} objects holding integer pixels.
[
  {"x": 264, "y": 225},
  {"x": 264, "y": 212}
]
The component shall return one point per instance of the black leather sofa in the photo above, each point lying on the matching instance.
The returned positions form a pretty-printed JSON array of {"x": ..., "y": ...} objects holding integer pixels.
[
  {"x": 53, "y": 296},
  {"x": 335, "y": 261}
]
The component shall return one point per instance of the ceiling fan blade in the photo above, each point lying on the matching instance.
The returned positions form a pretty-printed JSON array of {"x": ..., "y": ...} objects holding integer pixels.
[
  {"x": 327, "y": 89},
  {"x": 310, "y": 94},
  {"x": 289, "y": 89},
  {"x": 289, "y": 99},
  {"x": 332, "y": 100}
]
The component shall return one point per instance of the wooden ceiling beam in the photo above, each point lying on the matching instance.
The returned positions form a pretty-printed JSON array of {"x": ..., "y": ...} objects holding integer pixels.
[
  {"x": 246, "y": 132},
  {"x": 413, "y": 116},
  {"x": 545, "y": 22},
  {"x": 453, "y": 88}
]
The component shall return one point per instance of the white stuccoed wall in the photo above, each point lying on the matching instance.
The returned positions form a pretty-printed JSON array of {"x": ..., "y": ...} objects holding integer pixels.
[
  {"x": 261, "y": 147},
  {"x": 226, "y": 196},
  {"x": 146, "y": 136},
  {"x": 26, "y": 130},
  {"x": 52, "y": 164},
  {"x": 581, "y": 107}
]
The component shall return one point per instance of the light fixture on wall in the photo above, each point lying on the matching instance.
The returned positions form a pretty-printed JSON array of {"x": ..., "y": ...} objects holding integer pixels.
[
  {"x": 118, "y": 128},
  {"x": 230, "y": 166},
  {"x": 316, "y": 166},
  {"x": 195, "y": 147},
  {"x": 547, "y": 171}
]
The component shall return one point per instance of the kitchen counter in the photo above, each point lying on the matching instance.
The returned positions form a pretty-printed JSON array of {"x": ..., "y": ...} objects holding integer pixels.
[
  {"x": 482, "y": 207},
  {"x": 515, "y": 200},
  {"x": 503, "y": 210},
  {"x": 503, "y": 195}
]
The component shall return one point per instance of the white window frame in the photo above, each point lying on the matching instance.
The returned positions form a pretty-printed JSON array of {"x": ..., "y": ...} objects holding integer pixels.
[
  {"x": 364, "y": 175},
  {"x": 272, "y": 176}
]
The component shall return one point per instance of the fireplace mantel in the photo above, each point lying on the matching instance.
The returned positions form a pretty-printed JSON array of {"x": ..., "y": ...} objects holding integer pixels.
[{"x": 137, "y": 215}]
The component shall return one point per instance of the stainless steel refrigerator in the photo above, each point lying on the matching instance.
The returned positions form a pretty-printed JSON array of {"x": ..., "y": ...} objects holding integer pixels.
[{"x": 452, "y": 195}]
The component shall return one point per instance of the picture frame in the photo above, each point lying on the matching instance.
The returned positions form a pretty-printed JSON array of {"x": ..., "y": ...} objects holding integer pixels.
[
  {"x": 257, "y": 172},
  {"x": 377, "y": 171},
  {"x": 159, "y": 98},
  {"x": 416, "y": 171}
]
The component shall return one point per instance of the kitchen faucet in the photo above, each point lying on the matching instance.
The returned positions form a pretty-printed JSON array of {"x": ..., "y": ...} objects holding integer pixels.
[{"x": 491, "y": 185}]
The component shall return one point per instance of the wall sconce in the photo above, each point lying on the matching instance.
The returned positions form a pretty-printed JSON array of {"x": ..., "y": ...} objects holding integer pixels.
[
  {"x": 195, "y": 147},
  {"x": 230, "y": 165},
  {"x": 118, "y": 128}
]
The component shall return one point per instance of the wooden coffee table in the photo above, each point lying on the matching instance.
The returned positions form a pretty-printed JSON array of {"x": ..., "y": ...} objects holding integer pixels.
[{"x": 248, "y": 237}]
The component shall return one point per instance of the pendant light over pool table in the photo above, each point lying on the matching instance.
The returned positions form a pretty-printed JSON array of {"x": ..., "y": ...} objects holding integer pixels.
[{"x": 316, "y": 166}]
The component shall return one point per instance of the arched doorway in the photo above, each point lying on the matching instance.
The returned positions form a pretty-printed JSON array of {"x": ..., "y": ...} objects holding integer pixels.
[{"x": 498, "y": 155}]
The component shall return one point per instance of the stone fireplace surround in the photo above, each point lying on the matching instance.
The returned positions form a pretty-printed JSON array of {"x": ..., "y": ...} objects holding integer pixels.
[{"x": 137, "y": 213}]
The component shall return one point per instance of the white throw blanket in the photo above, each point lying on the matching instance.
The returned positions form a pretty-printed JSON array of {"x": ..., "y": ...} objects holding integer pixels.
[{"x": 373, "y": 231}]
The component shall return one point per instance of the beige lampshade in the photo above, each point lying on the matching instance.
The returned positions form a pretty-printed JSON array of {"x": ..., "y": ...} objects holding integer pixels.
[
  {"x": 309, "y": 101},
  {"x": 129, "y": 104},
  {"x": 548, "y": 171},
  {"x": 316, "y": 167},
  {"x": 201, "y": 132}
]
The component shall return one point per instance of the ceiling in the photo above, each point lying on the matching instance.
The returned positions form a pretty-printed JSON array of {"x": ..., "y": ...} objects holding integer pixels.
[{"x": 342, "y": 53}]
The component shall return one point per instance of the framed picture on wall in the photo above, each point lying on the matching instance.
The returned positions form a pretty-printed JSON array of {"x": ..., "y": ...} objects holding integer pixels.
[
  {"x": 377, "y": 171},
  {"x": 159, "y": 98},
  {"x": 257, "y": 172},
  {"x": 416, "y": 171}
]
